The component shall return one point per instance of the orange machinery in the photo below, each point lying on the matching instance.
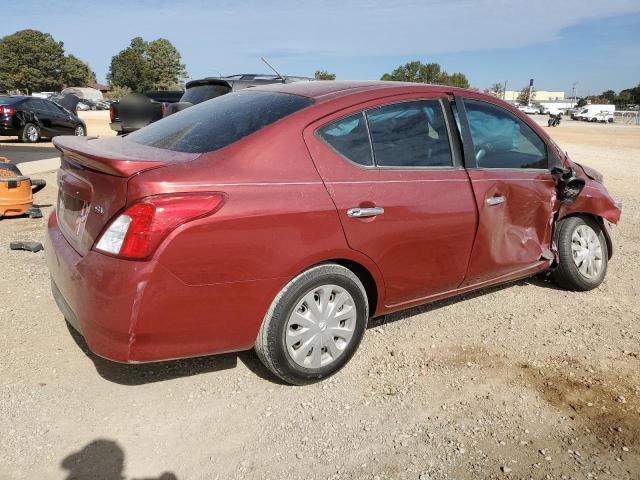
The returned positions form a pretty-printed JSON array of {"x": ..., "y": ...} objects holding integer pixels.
[{"x": 16, "y": 190}]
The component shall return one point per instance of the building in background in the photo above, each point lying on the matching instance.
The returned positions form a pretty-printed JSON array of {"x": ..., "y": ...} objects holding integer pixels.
[{"x": 540, "y": 96}]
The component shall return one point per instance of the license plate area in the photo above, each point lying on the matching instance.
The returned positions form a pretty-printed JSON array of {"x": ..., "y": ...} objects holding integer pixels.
[{"x": 72, "y": 214}]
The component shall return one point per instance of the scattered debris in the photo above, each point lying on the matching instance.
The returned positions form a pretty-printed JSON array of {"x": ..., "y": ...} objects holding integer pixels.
[
  {"x": 34, "y": 212},
  {"x": 26, "y": 245}
]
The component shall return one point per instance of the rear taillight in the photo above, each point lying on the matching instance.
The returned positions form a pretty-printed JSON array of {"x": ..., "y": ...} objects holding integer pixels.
[
  {"x": 112, "y": 115},
  {"x": 164, "y": 108},
  {"x": 138, "y": 231},
  {"x": 7, "y": 110}
]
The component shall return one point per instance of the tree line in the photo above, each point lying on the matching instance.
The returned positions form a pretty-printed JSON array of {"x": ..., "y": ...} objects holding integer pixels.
[
  {"x": 31, "y": 61},
  {"x": 34, "y": 61}
]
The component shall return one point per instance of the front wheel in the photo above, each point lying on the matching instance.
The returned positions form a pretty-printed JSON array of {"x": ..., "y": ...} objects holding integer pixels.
[
  {"x": 583, "y": 254},
  {"x": 79, "y": 131},
  {"x": 314, "y": 325}
]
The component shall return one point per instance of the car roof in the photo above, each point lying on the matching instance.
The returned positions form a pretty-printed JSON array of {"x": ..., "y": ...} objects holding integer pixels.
[{"x": 321, "y": 90}]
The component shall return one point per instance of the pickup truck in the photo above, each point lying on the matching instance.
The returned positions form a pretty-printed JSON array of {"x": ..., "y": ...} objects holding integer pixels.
[{"x": 138, "y": 110}]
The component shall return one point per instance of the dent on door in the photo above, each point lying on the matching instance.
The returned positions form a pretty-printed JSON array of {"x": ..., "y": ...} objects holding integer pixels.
[{"x": 516, "y": 222}]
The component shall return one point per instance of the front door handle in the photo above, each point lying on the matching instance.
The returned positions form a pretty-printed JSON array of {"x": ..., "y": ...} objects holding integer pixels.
[
  {"x": 364, "y": 212},
  {"x": 497, "y": 200}
]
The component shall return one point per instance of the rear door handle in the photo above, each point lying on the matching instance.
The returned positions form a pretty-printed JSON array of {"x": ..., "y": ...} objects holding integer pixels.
[
  {"x": 495, "y": 200},
  {"x": 364, "y": 212}
]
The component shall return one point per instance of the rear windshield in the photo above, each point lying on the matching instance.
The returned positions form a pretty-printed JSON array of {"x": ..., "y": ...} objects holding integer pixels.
[
  {"x": 202, "y": 93},
  {"x": 9, "y": 100},
  {"x": 168, "y": 96},
  {"x": 219, "y": 122}
]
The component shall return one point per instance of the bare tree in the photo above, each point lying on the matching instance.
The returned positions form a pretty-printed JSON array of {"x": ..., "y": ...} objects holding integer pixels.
[
  {"x": 526, "y": 95},
  {"x": 497, "y": 90}
]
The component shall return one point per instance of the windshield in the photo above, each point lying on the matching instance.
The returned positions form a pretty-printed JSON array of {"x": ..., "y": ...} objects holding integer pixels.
[{"x": 219, "y": 122}]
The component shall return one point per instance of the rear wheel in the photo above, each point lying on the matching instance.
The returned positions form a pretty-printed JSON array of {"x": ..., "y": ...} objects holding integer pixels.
[
  {"x": 583, "y": 254},
  {"x": 30, "y": 133},
  {"x": 79, "y": 131},
  {"x": 314, "y": 325}
]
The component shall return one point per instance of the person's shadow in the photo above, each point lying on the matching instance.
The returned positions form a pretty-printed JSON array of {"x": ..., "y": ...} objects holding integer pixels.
[{"x": 101, "y": 460}]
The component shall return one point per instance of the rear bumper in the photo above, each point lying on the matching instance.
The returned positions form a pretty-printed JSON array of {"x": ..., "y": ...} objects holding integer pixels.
[
  {"x": 118, "y": 127},
  {"x": 133, "y": 312},
  {"x": 9, "y": 130}
]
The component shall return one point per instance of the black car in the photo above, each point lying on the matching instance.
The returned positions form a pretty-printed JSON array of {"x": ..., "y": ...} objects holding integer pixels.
[
  {"x": 198, "y": 91},
  {"x": 31, "y": 119}
]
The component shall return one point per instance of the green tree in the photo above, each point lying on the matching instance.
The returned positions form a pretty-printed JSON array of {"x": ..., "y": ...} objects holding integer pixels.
[
  {"x": 596, "y": 100},
  {"x": 147, "y": 65},
  {"x": 163, "y": 63},
  {"x": 31, "y": 60},
  {"x": 419, "y": 72},
  {"x": 76, "y": 73},
  {"x": 129, "y": 67},
  {"x": 457, "y": 80},
  {"x": 609, "y": 95},
  {"x": 581, "y": 102},
  {"x": 630, "y": 95},
  {"x": 324, "y": 75},
  {"x": 117, "y": 92},
  {"x": 526, "y": 95}
]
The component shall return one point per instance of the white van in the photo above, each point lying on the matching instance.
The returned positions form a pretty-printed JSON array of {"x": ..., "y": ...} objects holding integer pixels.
[{"x": 595, "y": 113}]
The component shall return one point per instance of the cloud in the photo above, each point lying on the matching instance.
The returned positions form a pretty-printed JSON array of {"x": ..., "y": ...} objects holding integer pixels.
[{"x": 227, "y": 34}]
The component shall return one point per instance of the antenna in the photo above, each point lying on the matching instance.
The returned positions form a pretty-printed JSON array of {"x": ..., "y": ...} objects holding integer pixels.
[{"x": 271, "y": 67}]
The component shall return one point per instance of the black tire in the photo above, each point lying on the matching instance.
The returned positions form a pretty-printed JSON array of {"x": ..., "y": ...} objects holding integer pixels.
[
  {"x": 567, "y": 274},
  {"x": 271, "y": 343},
  {"x": 84, "y": 131},
  {"x": 26, "y": 136}
]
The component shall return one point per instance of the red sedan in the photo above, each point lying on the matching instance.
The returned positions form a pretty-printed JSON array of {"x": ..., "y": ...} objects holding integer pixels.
[{"x": 282, "y": 218}]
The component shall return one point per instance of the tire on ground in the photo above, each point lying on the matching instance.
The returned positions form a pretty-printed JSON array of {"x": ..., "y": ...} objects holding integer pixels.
[
  {"x": 271, "y": 341},
  {"x": 24, "y": 133},
  {"x": 567, "y": 274}
]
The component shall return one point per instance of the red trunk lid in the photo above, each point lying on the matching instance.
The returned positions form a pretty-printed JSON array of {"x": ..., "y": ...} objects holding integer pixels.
[{"x": 93, "y": 179}]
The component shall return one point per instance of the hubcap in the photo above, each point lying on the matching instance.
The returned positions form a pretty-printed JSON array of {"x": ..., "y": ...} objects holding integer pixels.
[
  {"x": 321, "y": 326},
  {"x": 32, "y": 133},
  {"x": 587, "y": 251},
  {"x": 79, "y": 131}
]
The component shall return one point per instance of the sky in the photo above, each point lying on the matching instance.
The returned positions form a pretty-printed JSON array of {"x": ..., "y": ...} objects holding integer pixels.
[{"x": 595, "y": 43}]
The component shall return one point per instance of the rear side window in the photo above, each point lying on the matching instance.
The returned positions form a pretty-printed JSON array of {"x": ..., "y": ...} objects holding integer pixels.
[
  {"x": 349, "y": 137},
  {"x": 502, "y": 140},
  {"x": 217, "y": 123},
  {"x": 410, "y": 134}
]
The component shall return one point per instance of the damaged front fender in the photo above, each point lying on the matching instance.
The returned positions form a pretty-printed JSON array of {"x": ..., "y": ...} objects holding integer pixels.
[{"x": 594, "y": 200}]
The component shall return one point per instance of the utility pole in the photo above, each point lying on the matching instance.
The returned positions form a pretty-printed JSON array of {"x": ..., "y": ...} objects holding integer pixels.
[
  {"x": 573, "y": 92},
  {"x": 504, "y": 92}
]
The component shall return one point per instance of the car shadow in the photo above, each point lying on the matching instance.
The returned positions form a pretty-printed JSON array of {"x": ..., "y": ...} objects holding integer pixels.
[
  {"x": 144, "y": 373},
  {"x": 101, "y": 459}
]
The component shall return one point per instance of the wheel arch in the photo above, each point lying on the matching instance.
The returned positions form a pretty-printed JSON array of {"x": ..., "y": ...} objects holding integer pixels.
[
  {"x": 367, "y": 279},
  {"x": 602, "y": 223},
  {"x": 363, "y": 267}
]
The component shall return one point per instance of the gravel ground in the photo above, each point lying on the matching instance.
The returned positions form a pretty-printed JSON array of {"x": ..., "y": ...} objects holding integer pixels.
[{"x": 516, "y": 382}]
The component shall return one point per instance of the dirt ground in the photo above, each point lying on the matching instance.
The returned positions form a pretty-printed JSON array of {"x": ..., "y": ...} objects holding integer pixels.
[{"x": 516, "y": 382}]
